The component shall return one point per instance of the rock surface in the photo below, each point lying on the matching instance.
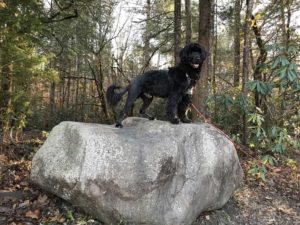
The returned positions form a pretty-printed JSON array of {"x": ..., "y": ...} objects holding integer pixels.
[{"x": 149, "y": 172}]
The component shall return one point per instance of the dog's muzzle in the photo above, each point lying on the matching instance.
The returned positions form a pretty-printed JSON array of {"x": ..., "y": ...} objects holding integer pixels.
[
  {"x": 195, "y": 66},
  {"x": 147, "y": 95}
]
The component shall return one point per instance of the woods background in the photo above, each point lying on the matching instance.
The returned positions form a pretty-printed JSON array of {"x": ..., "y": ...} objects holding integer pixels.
[{"x": 58, "y": 57}]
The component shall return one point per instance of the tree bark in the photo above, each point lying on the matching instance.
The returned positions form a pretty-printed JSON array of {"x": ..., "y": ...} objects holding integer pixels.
[
  {"x": 52, "y": 101},
  {"x": 246, "y": 61},
  {"x": 237, "y": 45},
  {"x": 188, "y": 19},
  {"x": 204, "y": 37},
  {"x": 177, "y": 30},
  {"x": 214, "y": 55},
  {"x": 283, "y": 22},
  {"x": 260, "y": 60},
  {"x": 146, "y": 37},
  {"x": 6, "y": 101}
]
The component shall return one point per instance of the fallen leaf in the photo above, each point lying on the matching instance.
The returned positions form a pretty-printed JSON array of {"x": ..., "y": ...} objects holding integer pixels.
[
  {"x": 17, "y": 178},
  {"x": 3, "y": 158},
  {"x": 5, "y": 210},
  {"x": 24, "y": 204},
  {"x": 276, "y": 170},
  {"x": 24, "y": 183},
  {"x": 57, "y": 218},
  {"x": 33, "y": 214},
  {"x": 288, "y": 211},
  {"x": 43, "y": 199}
]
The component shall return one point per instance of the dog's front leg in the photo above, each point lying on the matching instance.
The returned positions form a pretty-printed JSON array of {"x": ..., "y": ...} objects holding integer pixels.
[
  {"x": 183, "y": 108},
  {"x": 172, "y": 106},
  {"x": 119, "y": 119}
]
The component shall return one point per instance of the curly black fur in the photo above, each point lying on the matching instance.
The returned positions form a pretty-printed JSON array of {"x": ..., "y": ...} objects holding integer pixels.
[{"x": 175, "y": 84}]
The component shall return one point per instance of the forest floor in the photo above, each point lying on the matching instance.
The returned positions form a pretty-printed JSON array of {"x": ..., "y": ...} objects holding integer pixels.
[{"x": 276, "y": 201}]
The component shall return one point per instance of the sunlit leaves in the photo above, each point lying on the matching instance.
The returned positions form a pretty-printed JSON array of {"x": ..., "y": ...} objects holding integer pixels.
[
  {"x": 2, "y": 5},
  {"x": 281, "y": 139},
  {"x": 256, "y": 118},
  {"x": 258, "y": 169},
  {"x": 268, "y": 159}
]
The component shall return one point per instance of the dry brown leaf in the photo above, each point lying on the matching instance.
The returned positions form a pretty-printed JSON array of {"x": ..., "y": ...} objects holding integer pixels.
[
  {"x": 57, "y": 218},
  {"x": 276, "y": 170},
  {"x": 33, "y": 214},
  {"x": 288, "y": 211},
  {"x": 3, "y": 158},
  {"x": 24, "y": 183},
  {"x": 43, "y": 199},
  {"x": 24, "y": 204},
  {"x": 17, "y": 177}
]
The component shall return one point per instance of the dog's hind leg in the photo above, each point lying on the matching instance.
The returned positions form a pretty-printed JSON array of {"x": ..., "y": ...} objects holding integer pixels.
[
  {"x": 146, "y": 102},
  {"x": 133, "y": 93}
]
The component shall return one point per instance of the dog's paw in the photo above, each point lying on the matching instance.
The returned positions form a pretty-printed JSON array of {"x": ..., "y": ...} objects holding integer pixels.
[
  {"x": 185, "y": 120},
  {"x": 175, "y": 121},
  {"x": 119, "y": 125}
]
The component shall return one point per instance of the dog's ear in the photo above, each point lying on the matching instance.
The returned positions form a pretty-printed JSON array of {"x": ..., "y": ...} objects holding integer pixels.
[{"x": 183, "y": 54}]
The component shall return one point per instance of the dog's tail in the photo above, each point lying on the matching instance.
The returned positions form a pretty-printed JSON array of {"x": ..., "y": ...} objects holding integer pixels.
[{"x": 114, "y": 94}]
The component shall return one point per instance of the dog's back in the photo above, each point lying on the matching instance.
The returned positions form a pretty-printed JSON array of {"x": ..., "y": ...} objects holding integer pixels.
[{"x": 155, "y": 83}]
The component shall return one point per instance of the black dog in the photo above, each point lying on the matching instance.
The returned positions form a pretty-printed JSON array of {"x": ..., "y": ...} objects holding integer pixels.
[{"x": 176, "y": 84}]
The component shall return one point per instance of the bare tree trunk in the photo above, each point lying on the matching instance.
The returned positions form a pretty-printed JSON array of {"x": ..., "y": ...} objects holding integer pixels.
[
  {"x": 101, "y": 91},
  {"x": 52, "y": 101},
  {"x": 214, "y": 55},
  {"x": 146, "y": 37},
  {"x": 204, "y": 37},
  {"x": 283, "y": 22},
  {"x": 246, "y": 61},
  {"x": 62, "y": 90},
  {"x": 188, "y": 19},
  {"x": 289, "y": 14},
  {"x": 237, "y": 40},
  {"x": 68, "y": 93},
  {"x": 177, "y": 29},
  {"x": 83, "y": 97},
  {"x": 260, "y": 60},
  {"x": 6, "y": 102},
  {"x": 98, "y": 78}
]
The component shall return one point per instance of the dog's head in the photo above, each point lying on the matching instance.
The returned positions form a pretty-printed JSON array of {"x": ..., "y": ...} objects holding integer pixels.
[{"x": 193, "y": 55}]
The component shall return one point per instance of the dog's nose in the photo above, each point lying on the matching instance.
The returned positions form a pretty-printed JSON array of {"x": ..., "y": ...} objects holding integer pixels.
[{"x": 196, "y": 60}]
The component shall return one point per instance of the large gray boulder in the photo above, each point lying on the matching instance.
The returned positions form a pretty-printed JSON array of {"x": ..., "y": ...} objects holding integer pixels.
[{"x": 149, "y": 172}]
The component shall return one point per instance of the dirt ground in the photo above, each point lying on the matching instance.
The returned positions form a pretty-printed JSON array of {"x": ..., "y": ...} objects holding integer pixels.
[{"x": 276, "y": 201}]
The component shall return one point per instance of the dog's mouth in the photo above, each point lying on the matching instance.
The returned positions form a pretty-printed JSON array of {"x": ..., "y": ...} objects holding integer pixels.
[{"x": 195, "y": 66}]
